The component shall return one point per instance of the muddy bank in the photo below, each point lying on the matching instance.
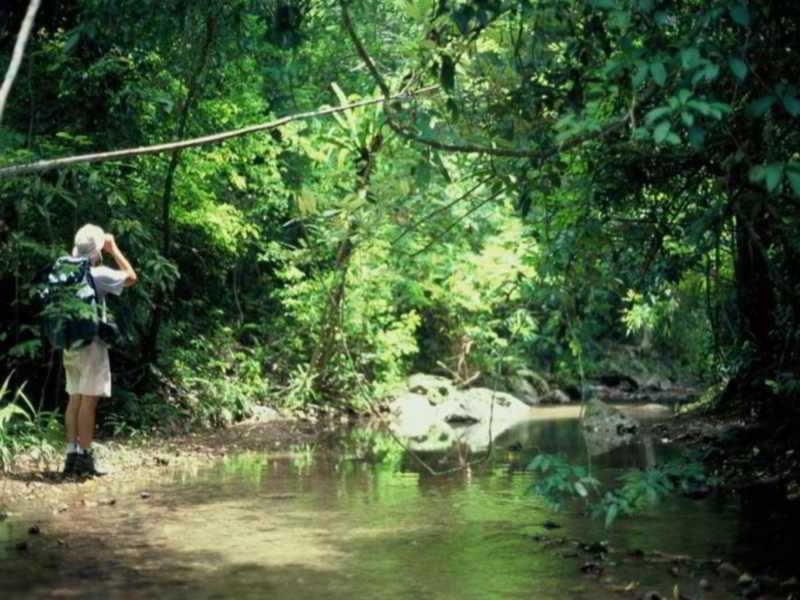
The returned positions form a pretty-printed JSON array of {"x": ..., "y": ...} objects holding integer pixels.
[
  {"x": 36, "y": 483},
  {"x": 758, "y": 464}
]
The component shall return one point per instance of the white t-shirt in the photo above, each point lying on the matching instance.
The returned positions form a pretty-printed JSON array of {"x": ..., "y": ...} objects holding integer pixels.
[{"x": 108, "y": 281}]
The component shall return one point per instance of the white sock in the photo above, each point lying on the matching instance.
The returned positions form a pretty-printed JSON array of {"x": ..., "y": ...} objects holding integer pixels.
[{"x": 72, "y": 447}]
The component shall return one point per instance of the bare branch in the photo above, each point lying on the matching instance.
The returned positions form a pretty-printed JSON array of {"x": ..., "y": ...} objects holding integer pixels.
[
  {"x": 16, "y": 56},
  {"x": 46, "y": 165}
]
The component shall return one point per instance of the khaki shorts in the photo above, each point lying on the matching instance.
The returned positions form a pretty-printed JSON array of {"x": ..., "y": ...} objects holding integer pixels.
[{"x": 88, "y": 370}]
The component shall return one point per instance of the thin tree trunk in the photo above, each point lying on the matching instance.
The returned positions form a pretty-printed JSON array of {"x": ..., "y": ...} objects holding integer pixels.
[
  {"x": 332, "y": 317},
  {"x": 150, "y": 342}
]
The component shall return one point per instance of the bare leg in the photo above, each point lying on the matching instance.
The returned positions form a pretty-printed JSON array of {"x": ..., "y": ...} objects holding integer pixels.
[
  {"x": 86, "y": 417},
  {"x": 71, "y": 418}
]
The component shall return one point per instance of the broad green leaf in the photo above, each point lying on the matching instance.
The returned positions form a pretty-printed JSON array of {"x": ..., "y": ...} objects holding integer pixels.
[
  {"x": 661, "y": 131},
  {"x": 738, "y": 67},
  {"x": 657, "y": 113},
  {"x": 687, "y": 118},
  {"x": 774, "y": 176},
  {"x": 794, "y": 180},
  {"x": 673, "y": 138},
  {"x": 646, "y": 6},
  {"x": 684, "y": 95},
  {"x": 619, "y": 19},
  {"x": 760, "y": 107},
  {"x": 697, "y": 137},
  {"x": 658, "y": 72},
  {"x": 701, "y": 106},
  {"x": 661, "y": 18},
  {"x": 604, "y": 4},
  {"x": 711, "y": 72},
  {"x": 690, "y": 57},
  {"x": 611, "y": 515},
  {"x": 792, "y": 105},
  {"x": 757, "y": 174},
  {"x": 642, "y": 69},
  {"x": 740, "y": 14}
]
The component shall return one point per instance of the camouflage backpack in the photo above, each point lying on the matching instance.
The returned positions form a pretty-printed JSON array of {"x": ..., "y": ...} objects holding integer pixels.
[{"x": 69, "y": 315}]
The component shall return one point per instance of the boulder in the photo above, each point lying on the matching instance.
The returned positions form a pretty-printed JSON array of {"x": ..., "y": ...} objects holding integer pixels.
[
  {"x": 606, "y": 428},
  {"x": 432, "y": 412},
  {"x": 528, "y": 386},
  {"x": 555, "y": 397}
]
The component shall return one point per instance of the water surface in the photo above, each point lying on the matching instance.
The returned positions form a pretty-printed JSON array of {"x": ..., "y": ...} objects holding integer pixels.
[{"x": 357, "y": 517}]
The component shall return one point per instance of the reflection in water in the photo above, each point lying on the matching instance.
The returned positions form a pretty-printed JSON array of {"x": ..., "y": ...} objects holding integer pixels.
[{"x": 355, "y": 518}]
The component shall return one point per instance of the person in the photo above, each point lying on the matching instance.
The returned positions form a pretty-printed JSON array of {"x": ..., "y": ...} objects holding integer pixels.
[{"x": 87, "y": 369}]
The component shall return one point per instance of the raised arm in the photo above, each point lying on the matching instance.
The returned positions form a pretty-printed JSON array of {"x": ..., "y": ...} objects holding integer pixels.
[{"x": 123, "y": 264}]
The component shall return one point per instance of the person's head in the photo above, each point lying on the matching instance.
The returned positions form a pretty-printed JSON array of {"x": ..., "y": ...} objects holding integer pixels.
[{"x": 89, "y": 241}]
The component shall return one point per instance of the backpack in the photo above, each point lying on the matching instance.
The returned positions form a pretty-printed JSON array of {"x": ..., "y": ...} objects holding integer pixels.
[{"x": 67, "y": 293}]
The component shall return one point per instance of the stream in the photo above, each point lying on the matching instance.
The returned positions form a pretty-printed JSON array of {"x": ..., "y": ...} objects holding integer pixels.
[{"x": 354, "y": 516}]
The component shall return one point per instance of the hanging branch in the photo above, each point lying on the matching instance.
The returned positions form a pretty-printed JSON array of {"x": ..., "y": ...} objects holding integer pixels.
[
  {"x": 16, "y": 56},
  {"x": 216, "y": 138},
  {"x": 455, "y": 222},
  {"x": 466, "y": 148},
  {"x": 426, "y": 217}
]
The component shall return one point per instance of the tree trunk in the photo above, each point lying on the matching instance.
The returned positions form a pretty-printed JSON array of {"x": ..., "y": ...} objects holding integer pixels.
[
  {"x": 755, "y": 290},
  {"x": 149, "y": 350},
  {"x": 756, "y": 308}
]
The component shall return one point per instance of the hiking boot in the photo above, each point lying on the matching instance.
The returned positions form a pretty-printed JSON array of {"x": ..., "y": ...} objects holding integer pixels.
[
  {"x": 69, "y": 465},
  {"x": 85, "y": 467}
]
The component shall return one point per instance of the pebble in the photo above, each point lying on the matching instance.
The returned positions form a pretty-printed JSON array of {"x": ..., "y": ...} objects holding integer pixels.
[
  {"x": 745, "y": 579},
  {"x": 144, "y": 495},
  {"x": 592, "y": 568},
  {"x": 789, "y": 583},
  {"x": 728, "y": 570},
  {"x": 704, "y": 584}
]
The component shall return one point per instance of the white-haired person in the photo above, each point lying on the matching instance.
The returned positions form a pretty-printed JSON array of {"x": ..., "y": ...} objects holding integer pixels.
[{"x": 88, "y": 370}]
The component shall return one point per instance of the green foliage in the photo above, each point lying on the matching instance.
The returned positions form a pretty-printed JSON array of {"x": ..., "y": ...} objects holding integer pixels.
[{"x": 559, "y": 481}]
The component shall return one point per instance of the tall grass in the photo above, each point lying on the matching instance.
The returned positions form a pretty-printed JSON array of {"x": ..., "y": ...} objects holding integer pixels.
[{"x": 23, "y": 429}]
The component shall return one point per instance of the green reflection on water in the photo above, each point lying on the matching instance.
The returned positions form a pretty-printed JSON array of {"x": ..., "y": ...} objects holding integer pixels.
[{"x": 356, "y": 518}]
